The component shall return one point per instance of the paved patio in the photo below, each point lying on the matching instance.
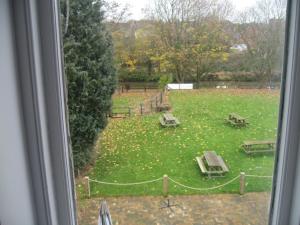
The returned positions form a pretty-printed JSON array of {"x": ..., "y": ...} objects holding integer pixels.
[{"x": 225, "y": 209}]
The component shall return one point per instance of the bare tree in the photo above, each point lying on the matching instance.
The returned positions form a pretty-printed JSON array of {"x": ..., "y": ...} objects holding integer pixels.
[
  {"x": 262, "y": 30},
  {"x": 116, "y": 12}
]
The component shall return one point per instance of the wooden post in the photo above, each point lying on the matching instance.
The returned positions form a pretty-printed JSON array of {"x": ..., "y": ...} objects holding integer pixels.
[
  {"x": 151, "y": 105},
  {"x": 156, "y": 104},
  {"x": 141, "y": 105},
  {"x": 88, "y": 187},
  {"x": 165, "y": 185},
  {"x": 161, "y": 97},
  {"x": 110, "y": 114},
  {"x": 242, "y": 183}
]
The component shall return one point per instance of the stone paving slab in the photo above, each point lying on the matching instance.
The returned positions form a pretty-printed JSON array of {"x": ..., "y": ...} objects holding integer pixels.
[{"x": 225, "y": 209}]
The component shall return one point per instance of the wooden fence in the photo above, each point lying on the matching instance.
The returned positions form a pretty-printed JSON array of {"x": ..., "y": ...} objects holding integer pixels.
[
  {"x": 136, "y": 87},
  {"x": 152, "y": 104},
  {"x": 120, "y": 112},
  {"x": 145, "y": 86}
]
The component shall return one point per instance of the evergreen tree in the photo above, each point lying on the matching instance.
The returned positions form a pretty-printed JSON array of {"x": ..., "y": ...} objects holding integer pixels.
[{"x": 88, "y": 54}]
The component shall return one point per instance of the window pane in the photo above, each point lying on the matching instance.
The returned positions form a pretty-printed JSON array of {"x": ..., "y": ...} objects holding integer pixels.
[{"x": 174, "y": 108}]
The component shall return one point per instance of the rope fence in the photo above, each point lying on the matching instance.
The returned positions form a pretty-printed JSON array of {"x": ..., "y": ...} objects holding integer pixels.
[
  {"x": 165, "y": 179},
  {"x": 258, "y": 176},
  {"x": 203, "y": 189},
  {"x": 126, "y": 184}
]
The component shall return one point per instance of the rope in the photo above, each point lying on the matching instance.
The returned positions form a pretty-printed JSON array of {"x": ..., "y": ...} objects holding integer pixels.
[
  {"x": 258, "y": 176},
  {"x": 204, "y": 189},
  {"x": 126, "y": 184},
  {"x": 176, "y": 182}
]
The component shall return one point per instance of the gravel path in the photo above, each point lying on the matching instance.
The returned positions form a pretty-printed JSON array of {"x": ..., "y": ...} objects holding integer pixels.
[{"x": 225, "y": 209}]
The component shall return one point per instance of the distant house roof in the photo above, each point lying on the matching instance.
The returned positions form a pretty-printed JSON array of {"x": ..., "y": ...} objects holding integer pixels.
[{"x": 239, "y": 47}]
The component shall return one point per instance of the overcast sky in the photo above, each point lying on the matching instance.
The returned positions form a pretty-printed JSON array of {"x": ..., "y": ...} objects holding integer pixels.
[{"x": 136, "y": 6}]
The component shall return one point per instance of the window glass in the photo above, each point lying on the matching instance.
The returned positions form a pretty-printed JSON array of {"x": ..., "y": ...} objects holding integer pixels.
[{"x": 173, "y": 108}]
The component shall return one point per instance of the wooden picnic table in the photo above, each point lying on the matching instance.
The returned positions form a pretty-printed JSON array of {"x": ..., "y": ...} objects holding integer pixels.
[
  {"x": 259, "y": 146},
  {"x": 211, "y": 158},
  {"x": 236, "y": 116},
  {"x": 168, "y": 120},
  {"x": 236, "y": 120},
  {"x": 169, "y": 117},
  {"x": 212, "y": 164}
]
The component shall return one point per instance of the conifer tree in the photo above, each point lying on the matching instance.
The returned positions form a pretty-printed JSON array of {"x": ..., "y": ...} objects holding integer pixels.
[{"x": 91, "y": 77}]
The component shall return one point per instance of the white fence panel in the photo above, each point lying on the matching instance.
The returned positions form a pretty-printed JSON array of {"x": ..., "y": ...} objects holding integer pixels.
[{"x": 180, "y": 86}]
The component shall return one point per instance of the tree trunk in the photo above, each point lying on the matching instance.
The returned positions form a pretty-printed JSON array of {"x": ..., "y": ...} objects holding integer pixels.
[
  {"x": 177, "y": 74},
  {"x": 197, "y": 75},
  {"x": 149, "y": 67}
]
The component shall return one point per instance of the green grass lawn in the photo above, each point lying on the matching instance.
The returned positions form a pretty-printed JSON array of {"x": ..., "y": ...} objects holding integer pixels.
[
  {"x": 121, "y": 103},
  {"x": 138, "y": 149},
  {"x": 127, "y": 100}
]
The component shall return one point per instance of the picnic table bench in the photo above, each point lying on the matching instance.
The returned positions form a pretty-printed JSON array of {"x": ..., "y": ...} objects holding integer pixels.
[
  {"x": 263, "y": 146},
  {"x": 212, "y": 164},
  {"x": 236, "y": 120},
  {"x": 168, "y": 120}
]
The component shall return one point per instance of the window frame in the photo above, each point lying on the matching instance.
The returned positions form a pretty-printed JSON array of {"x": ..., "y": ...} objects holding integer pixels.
[
  {"x": 285, "y": 197},
  {"x": 44, "y": 100}
]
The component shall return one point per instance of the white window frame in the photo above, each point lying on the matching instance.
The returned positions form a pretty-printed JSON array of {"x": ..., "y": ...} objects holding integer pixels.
[
  {"x": 285, "y": 202},
  {"x": 43, "y": 98},
  {"x": 44, "y": 107}
]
